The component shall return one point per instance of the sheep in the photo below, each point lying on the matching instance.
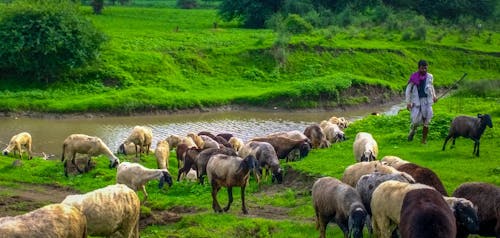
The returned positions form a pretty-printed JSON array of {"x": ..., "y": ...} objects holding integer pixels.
[
  {"x": 209, "y": 142},
  {"x": 53, "y": 220},
  {"x": 142, "y": 137},
  {"x": 229, "y": 171},
  {"x": 469, "y": 127},
  {"x": 266, "y": 156},
  {"x": 340, "y": 121},
  {"x": 205, "y": 155},
  {"x": 425, "y": 214},
  {"x": 189, "y": 142},
  {"x": 206, "y": 133},
  {"x": 110, "y": 211},
  {"x": 189, "y": 162},
  {"x": 423, "y": 175},
  {"x": 316, "y": 136},
  {"x": 465, "y": 213},
  {"x": 369, "y": 182},
  {"x": 337, "y": 201},
  {"x": 393, "y": 161},
  {"x": 16, "y": 143},
  {"x": 236, "y": 143},
  {"x": 486, "y": 197},
  {"x": 283, "y": 145},
  {"x": 162, "y": 153},
  {"x": 365, "y": 147},
  {"x": 226, "y": 136},
  {"x": 84, "y": 144},
  {"x": 200, "y": 143},
  {"x": 173, "y": 141},
  {"x": 386, "y": 204},
  {"x": 222, "y": 141},
  {"x": 333, "y": 133},
  {"x": 135, "y": 176},
  {"x": 353, "y": 172}
]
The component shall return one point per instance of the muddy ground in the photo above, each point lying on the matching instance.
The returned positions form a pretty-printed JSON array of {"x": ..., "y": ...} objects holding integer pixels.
[{"x": 27, "y": 197}]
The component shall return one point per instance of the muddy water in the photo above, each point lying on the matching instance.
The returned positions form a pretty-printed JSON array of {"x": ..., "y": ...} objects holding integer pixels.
[{"x": 48, "y": 134}]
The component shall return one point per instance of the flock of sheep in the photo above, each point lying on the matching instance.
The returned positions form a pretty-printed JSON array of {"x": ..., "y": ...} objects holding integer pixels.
[{"x": 390, "y": 196}]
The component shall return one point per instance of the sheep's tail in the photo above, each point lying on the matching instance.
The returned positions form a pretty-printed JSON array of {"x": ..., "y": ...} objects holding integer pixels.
[{"x": 63, "y": 152}]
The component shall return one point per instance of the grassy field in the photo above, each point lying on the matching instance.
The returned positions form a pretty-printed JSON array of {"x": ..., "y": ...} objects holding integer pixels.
[
  {"x": 165, "y": 58},
  {"x": 285, "y": 210}
]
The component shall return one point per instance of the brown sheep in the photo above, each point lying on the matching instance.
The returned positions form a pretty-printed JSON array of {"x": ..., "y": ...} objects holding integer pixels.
[
  {"x": 283, "y": 145},
  {"x": 205, "y": 155},
  {"x": 16, "y": 143},
  {"x": 423, "y": 175},
  {"x": 317, "y": 136}
]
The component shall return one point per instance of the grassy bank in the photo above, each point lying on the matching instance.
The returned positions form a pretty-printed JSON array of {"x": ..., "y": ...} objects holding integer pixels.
[
  {"x": 286, "y": 210},
  {"x": 169, "y": 59}
]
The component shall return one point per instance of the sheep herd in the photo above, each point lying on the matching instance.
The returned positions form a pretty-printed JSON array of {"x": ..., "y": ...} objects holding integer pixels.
[{"x": 390, "y": 196}]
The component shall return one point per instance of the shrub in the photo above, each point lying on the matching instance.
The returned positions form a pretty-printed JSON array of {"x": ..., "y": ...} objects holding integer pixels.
[
  {"x": 42, "y": 39},
  {"x": 187, "y": 4},
  {"x": 297, "y": 25}
]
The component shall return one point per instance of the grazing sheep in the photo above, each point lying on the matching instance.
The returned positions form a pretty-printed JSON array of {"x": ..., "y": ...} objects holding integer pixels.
[
  {"x": 84, "y": 144},
  {"x": 465, "y": 214},
  {"x": 353, "y": 172},
  {"x": 425, "y": 214},
  {"x": 266, "y": 157},
  {"x": 337, "y": 201},
  {"x": 142, "y": 137},
  {"x": 222, "y": 141},
  {"x": 333, "y": 133},
  {"x": 206, "y": 133},
  {"x": 365, "y": 147},
  {"x": 135, "y": 176},
  {"x": 340, "y": 121},
  {"x": 226, "y": 136},
  {"x": 284, "y": 145},
  {"x": 16, "y": 143},
  {"x": 469, "y": 127},
  {"x": 162, "y": 153},
  {"x": 189, "y": 142},
  {"x": 386, "y": 204},
  {"x": 236, "y": 143},
  {"x": 209, "y": 142},
  {"x": 110, "y": 211},
  {"x": 127, "y": 148},
  {"x": 229, "y": 171},
  {"x": 54, "y": 220},
  {"x": 486, "y": 197},
  {"x": 189, "y": 162},
  {"x": 317, "y": 136},
  {"x": 369, "y": 182},
  {"x": 393, "y": 161},
  {"x": 423, "y": 175},
  {"x": 198, "y": 140},
  {"x": 173, "y": 141},
  {"x": 205, "y": 155}
]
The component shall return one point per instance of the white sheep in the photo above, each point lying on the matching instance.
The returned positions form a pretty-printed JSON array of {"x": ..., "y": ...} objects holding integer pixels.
[
  {"x": 332, "y": 132},
  {"x": 393, "y": 161},
  {"x": 84, "y": 144},
  {"x": 200, "y": 143},
  {"x": 173, "y": 141},
  {"x": 236, "y": 143},
  {"x": 162, "y": 153},
  {"x": 16, "y": 143},
  {"x": 110, "y": 211},
  {"x": 142, "y": 137},
  {"x": 365, "y": 147},
  {"x": 229, "y": 171},
  {"x": 337, "y": 201},
  {"x": 354, "y": 172},
  {"x": 135, "y": 176},
  {"x": 386, "y": 204},
  {"x": 53, "y": 220},
  {"x": 340, "y": 121}
]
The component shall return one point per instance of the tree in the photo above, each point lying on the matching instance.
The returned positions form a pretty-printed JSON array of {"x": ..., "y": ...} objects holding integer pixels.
[
  {"x": 44, "y": 38},
  {"x": 252, "y": 13}
]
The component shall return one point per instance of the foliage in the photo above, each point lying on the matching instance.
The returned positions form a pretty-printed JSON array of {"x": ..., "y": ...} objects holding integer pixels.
[
  {"x": 43, "y": 39},
  {"x": 296, "y": 25},
  {"x": 252, "y": 13},
  {"x": 187, "y": 4}
]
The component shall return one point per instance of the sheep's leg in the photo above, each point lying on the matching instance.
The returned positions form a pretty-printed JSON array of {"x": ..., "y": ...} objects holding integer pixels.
[
  {"x": 343, "y": 226},
  {"x": 74, "y": 163},
  {"x": 215, "y": 203},
  {"x": 446, "y": 141},
  {"x": 181, "y": 171},
  {"x": 230, "y": 198},
  {"x": 65, "y": 163},
  {"x": 476, "y": 148},
  {"x": 323, "y": 221},
  {"x": 145, "y": 193},
  {"x": 243, "y": 205}
]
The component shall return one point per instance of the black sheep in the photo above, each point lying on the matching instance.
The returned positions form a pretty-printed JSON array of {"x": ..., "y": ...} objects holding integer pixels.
[
  {"x": 468, "y": 127},
  {"x": 423, "y": 175}
]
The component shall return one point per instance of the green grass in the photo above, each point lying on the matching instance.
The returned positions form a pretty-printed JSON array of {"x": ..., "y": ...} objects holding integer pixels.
[{"x": 166, "y": 58}]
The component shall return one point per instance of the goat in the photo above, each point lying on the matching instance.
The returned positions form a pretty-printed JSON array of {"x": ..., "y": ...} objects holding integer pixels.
[{"x": 135, "y": 176}]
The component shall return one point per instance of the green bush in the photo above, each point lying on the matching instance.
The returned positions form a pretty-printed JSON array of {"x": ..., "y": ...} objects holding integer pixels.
[
  {"x": 187, "y": 4},
  {"x": 297, "y": 25},
  {"x": 43, "y": 39}
]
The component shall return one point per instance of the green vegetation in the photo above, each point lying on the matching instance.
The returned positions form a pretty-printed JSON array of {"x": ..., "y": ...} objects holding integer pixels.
[
  {"x": 169, "y": 59},
  {"x": 286, "y": 210}
]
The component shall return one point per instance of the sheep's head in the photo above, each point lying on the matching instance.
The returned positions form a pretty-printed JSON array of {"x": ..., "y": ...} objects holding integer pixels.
[
  {"x": 357, "y": 218},
  {"x": 485, "y": 120},
  {"x": 114, "y": 163},
  {"x": 466, "y": 215},
  {"x": 368, "y": 156},
  {"x": 5, "y": 152},
  {"x": 165, "y": 178},
  {"x": 277, "y": 176},
  {"x": 304, "y": 149}
]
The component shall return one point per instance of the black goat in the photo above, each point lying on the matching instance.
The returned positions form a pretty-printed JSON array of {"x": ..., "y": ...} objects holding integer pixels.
[{"x": 469, "y": 127}]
